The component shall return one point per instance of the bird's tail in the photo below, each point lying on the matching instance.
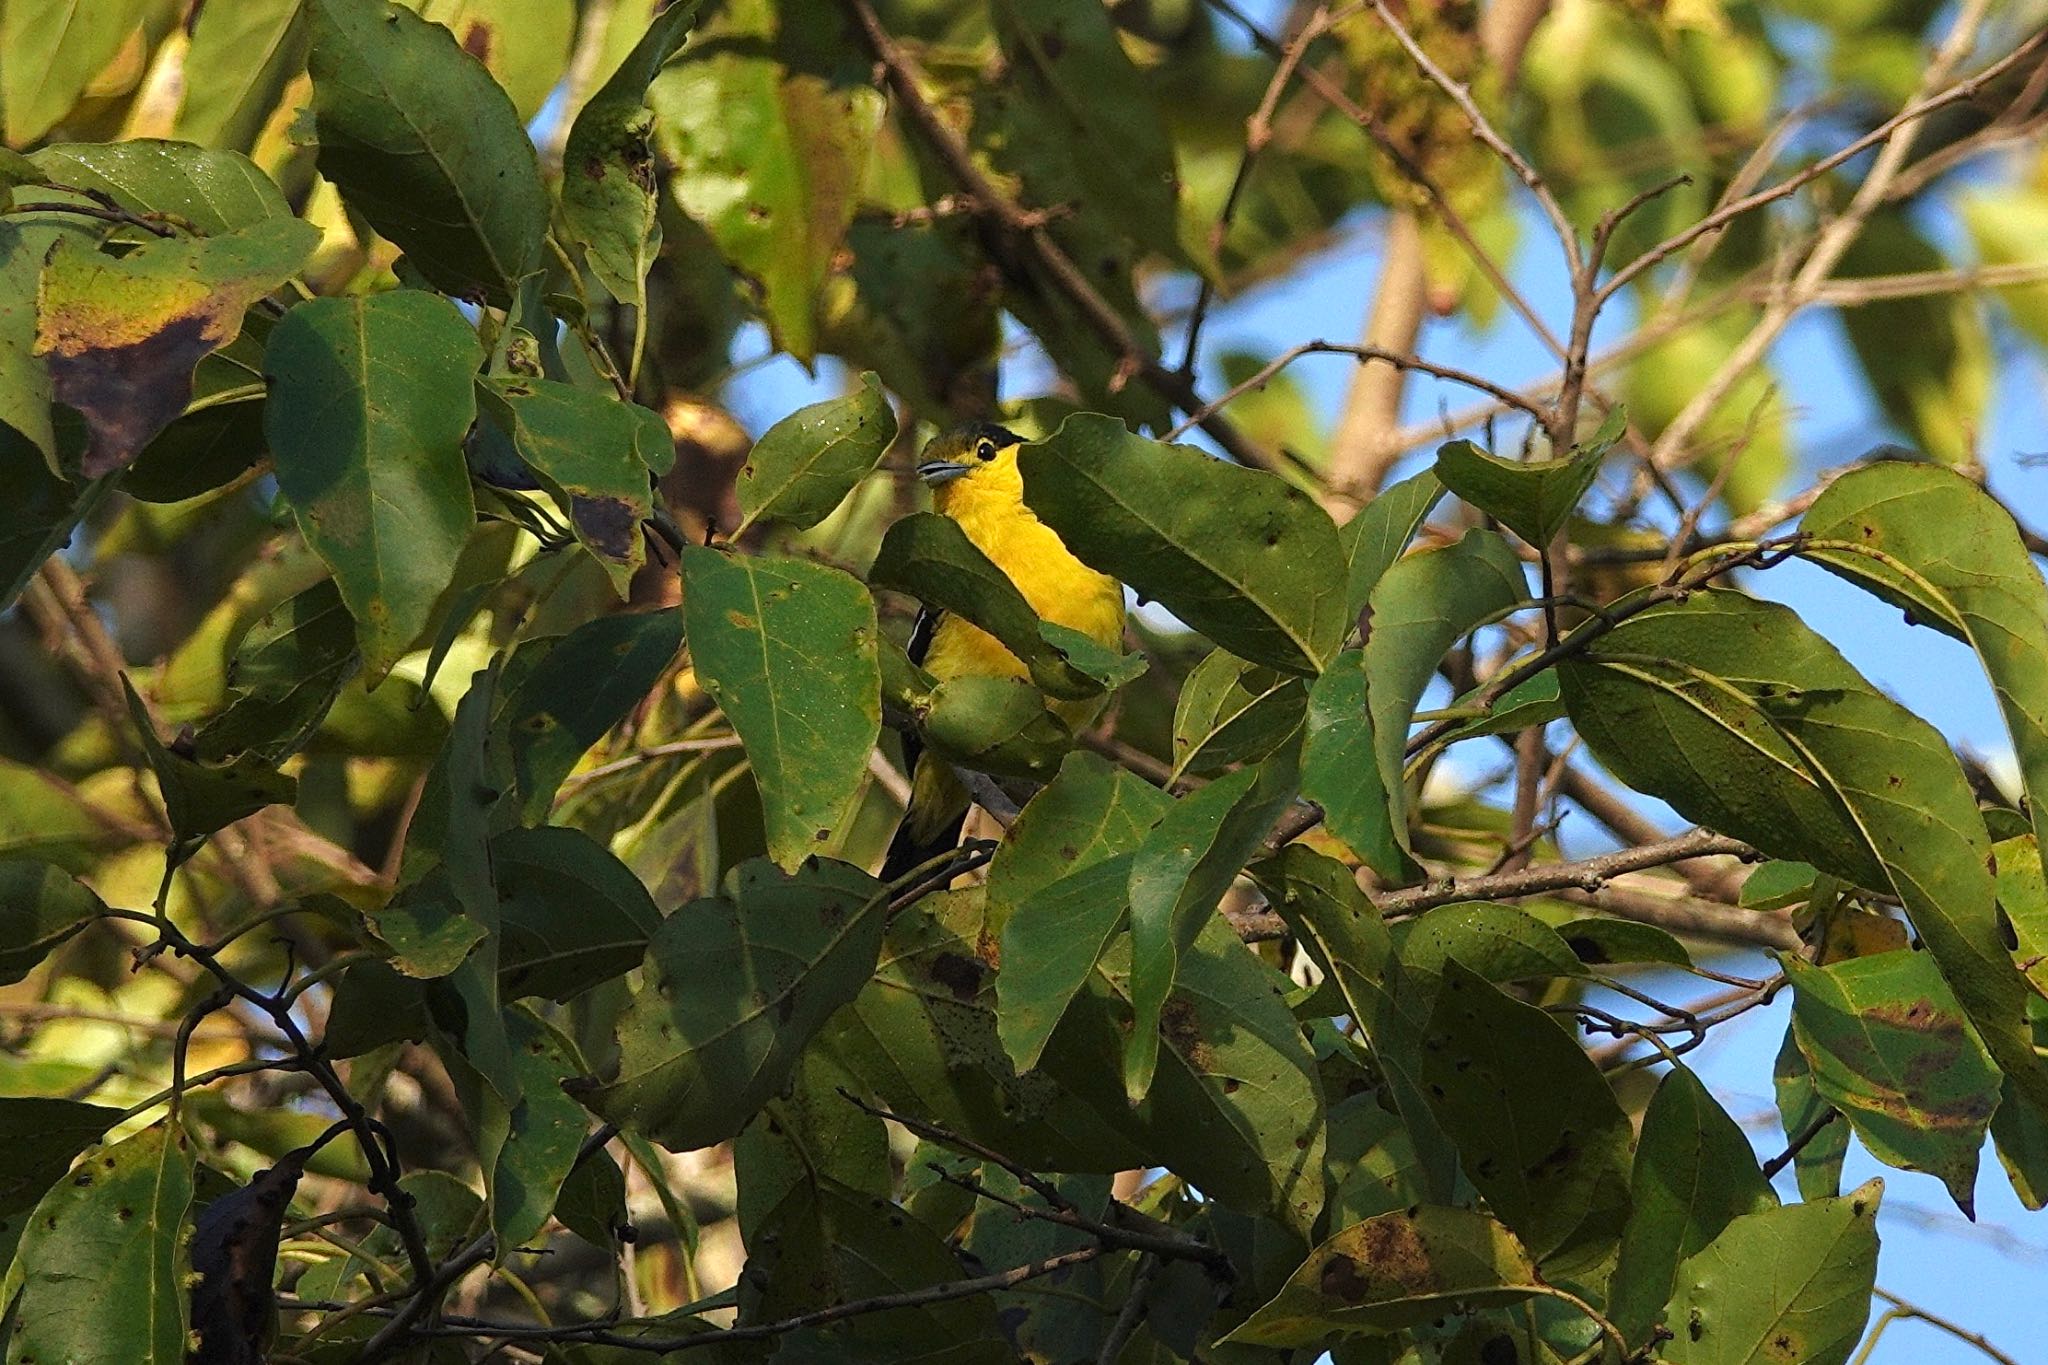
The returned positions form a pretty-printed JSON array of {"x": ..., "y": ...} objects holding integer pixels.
[{"x": 932, "y": 821}]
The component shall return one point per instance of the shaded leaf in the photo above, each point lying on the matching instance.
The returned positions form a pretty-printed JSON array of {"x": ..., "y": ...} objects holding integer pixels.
[
  {"x": 993, "y": 724},
  {"x": 121, "y": 335},
  {"x": 1533, "y": 498},
  {"x": 1360, "y": 710},
  {"x": 1499, "y": 942},
  {"x": 1051, "y": 943},
  {"x": 787, "y": 649},
  {"x": 559, "y": 710},
  {"x": 1598, "y": 941},
  {"x": 1392, "y": 1271},
  {"x": 285, "y": 674},
  {"x": 803, "y": 467},
  {"x": 1817, "y": 1165},
  {"x": 1558, "y": 1175},
  {"x": 200, "y": 798},
  {"x": 1744, "y": 720},
  {"x": 541, "y": 950},
  {"x": 234, "y": 1254},
  {"x": 426, "y": 146},
  {"x": 1694, "y": 1173},
  {"x": 1890, "y": 1048},
  {"x": 1231, "y": 712},
  {"x": 41, "y": 1136},
  {"x": 369, "y": 401},
  {"x": 530, "y": 1144},
  {"x": 1179, "y": 872},
  {"x": 1240, "y": 555},
  {"x": 40, "y": 907},
  {"x": 931, "y": 557},
  {"x": 110, "y": 1233},
  {"x": 736, "y": 986},
  {"x": 1783, "y": 1284},
  {"x": 589, "y": 451}
]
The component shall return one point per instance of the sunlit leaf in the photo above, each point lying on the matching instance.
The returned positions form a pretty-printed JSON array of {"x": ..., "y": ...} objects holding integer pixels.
[
  {"x": 1242, "y": 556},
  {"x": 803, "y": 467},
  {"x": 1533, "y": 498},
  {"x": 54, "y": 49},
  {"x": 787, "y": 649},
  {"x": 369, "y": 402}
]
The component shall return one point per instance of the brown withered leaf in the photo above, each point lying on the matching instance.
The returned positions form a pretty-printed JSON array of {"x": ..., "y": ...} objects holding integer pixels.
[{"x": 121, "y": 334}]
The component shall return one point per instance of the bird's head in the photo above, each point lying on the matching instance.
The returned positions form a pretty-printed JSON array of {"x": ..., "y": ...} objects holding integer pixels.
[{"x": 971, "y": 463}]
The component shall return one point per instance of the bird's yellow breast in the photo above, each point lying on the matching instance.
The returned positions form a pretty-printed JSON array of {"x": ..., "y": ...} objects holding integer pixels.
[{"x": 1059, "y": 587}]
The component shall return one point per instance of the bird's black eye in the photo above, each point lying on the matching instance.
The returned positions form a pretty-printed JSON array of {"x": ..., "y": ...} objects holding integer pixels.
[{"x": 985, "y": 449}]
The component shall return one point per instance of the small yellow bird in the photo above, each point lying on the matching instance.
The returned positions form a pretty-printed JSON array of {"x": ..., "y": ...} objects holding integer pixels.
[{"x": 973, "y": 473}]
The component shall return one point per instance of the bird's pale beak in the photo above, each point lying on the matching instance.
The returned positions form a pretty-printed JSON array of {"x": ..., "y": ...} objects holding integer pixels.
[{"x": 936, "y": 472}]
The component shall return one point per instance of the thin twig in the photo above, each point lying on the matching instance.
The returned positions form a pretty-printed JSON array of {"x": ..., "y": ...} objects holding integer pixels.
[
  {"x": 1902, "y": 1309},
  {"x": 1806, "y": 1134}
]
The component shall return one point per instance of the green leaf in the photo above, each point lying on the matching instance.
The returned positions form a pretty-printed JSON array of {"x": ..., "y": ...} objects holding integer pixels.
[
  {"x": 1178, "y": 874},
  {"x": 217, "y": 192},
  {"x": 1817, "y": 1166},
  {"x": 1534, "y": 701},
  {"x": 41, "y": 1136},
  {"x": 586, "y": 449},
  {"x": 530, "y": 1146},
  {"x": 2008, "y": 225},
  {"x": 1235, "y": 1105},
  {"x": 592, "y": 1200},
  {"x": 810, "y": 1131},
  {"x": 1747, "y": 722},
  {"x": 1499, "y": 942},
  {"x": 1051, "y": 944},
  {"x": 1694, "y": 1173},
  {"x": 1232, "y": 712},
  {"x": 803, "y": 467},
  {"x": 1932, "y": 542},
  {"x": 427, "y": 147},
  {"x": 2023, "y": 901},
  {"x": 1559, "y": 1174},
  {"x": 1240, "y": 555},
  {"x": 54, "y": 49},
  {"x": 1092, "y": 811},
  {"x": 25, "y": 242},
  {"x": 608, "y": 199},
  {"x": 541, "y": 950},
  {"x": 369, "y": 401},
  {"x": 931, "y": 558},
  {"x": 787, "y": 650},
  {"x": 559, "y": 709},
  {"x": 426, "y": 929},
  {"x": 993, "y": 724},
  {"x": 1393, "y": 1271},
  {"x": 199, "y": 798},
  {"x": 1890, "y": 1048},
  {"x": 113, "y": 1232},
  {"x": 736, "y": 986},
  {"x": 1599, "y": 941},
  {"x": 285, "y": 674},
  {"x": 768, "y": 158},
  {"x": 249, "y": 50},
  {"x": 1321, "y": 901},
  {"x": 1360, "y": 710},
  {"x": 1375, "y": 538},
  {"x": 1532, "y": 498},
  {"x": 922, "y": 1038},
  {"x": 40, "y": 907},
  {"x": 1781, "y": 1285},
  {"x": 120, "y": 335}
]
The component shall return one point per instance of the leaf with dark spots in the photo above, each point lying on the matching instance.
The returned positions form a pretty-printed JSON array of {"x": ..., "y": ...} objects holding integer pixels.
[
  {"x": 234, "y": 1254},
  {"x": 121, "y": 335},
  {"x": 1890, "y": 1048},
  {"x": 958, "y": 974},
  {"x": 1391, "y": 1271}
]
